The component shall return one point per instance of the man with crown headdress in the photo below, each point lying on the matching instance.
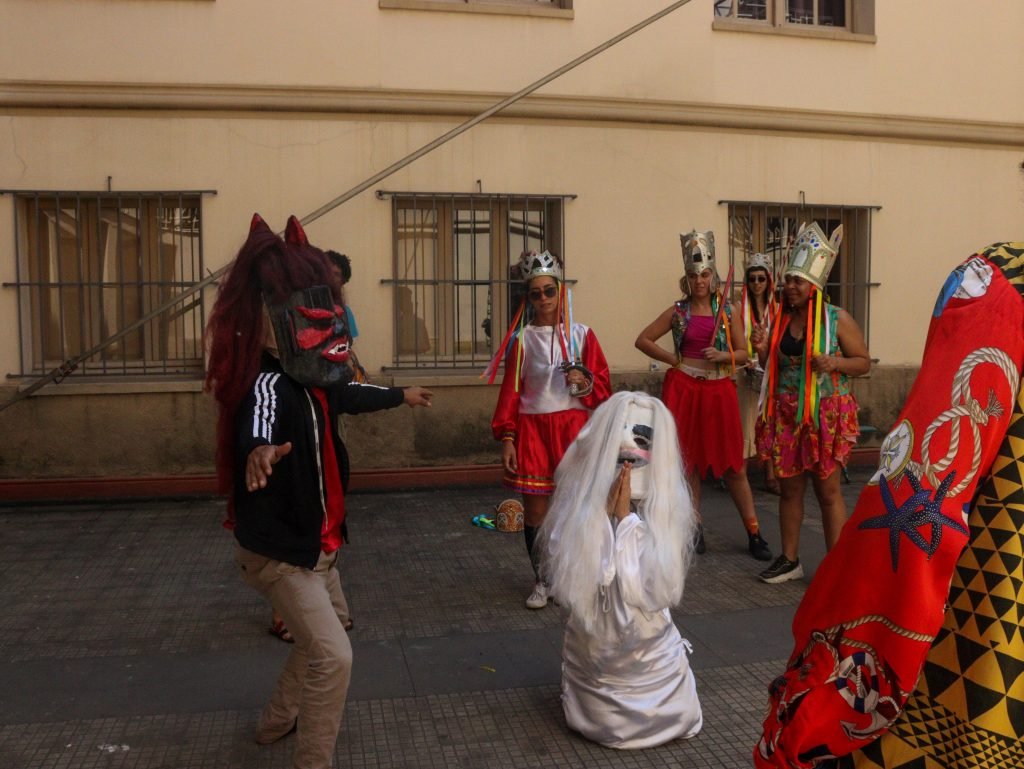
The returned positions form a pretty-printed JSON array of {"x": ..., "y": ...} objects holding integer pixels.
[
  {"x": 555, "y": 375},
  {"x": 699, "y": 388},
  {"x": 808, "y": 424},
  {"x": 279, "y": 370}
]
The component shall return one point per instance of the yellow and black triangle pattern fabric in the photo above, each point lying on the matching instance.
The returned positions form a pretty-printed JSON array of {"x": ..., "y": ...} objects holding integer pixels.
[
  {"x": 968, "y": 708},
  {"x": 1009, "y": 258}
]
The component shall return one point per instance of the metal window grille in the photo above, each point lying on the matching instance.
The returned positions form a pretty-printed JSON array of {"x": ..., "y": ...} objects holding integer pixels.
[
  {"x": 90, "y": 264},
  {"x": 770, "y": 228},
  {"x": 754, "y": 10},
  {"x": 822, "y": 13},
  {"x": 567, "y": 4},
  {"x": 552, "y": 3},
  {"x": 455, "y": 267}
]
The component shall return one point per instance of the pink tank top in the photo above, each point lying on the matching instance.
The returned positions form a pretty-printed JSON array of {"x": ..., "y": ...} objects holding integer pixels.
[{"x": 698, "y": 336}]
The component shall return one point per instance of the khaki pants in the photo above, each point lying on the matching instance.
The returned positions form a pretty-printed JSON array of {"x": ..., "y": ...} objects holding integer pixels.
[{"x": 314, "y": 683}]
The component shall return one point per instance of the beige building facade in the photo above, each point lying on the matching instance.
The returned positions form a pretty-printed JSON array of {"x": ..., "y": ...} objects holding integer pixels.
[{"x": 141, "y": 135}]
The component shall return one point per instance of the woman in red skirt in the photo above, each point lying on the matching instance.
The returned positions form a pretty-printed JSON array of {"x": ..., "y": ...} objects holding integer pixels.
[
  {"x": 699, "y": 389},
  {"x": 555, "y": 375}
]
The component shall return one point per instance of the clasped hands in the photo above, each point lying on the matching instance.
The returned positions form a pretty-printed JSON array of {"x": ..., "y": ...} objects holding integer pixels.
[{"x": 619, "y": 494}]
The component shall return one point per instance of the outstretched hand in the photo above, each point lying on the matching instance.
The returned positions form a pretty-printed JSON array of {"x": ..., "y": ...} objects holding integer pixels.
[
  {"x": 260, "y": 464},
  {"x": 417, "y": 396}
]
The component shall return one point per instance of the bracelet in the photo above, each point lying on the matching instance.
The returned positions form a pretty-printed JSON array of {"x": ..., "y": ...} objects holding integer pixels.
[{"x": 511, "y": 437}]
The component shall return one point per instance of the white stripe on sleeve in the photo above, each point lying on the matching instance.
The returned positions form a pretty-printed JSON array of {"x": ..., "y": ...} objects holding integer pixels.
[{"x": 265, "y": 412}]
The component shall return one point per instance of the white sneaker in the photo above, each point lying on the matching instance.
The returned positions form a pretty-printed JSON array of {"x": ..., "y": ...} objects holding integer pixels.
[{"x": 539, "y": 597}]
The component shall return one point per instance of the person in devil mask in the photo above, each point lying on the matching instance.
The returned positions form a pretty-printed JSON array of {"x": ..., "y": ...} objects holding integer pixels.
[{"x": 279, "y": 370}]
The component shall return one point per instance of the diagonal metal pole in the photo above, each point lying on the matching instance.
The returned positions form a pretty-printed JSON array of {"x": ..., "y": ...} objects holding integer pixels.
[
  {"x": 489, "y": 112},
  {"x": 58, "y": 374}
]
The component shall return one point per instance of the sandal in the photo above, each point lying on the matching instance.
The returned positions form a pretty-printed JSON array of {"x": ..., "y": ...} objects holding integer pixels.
[{"x": 279, "y": 630}]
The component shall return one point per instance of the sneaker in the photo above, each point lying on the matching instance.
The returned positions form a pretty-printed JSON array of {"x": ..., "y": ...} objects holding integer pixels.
[
  {"x": 782, "y": 570},
  {"x": 758, "y": 547},
  {"x": 699, "y": 545},
  {"x": 539, "y": 597}
]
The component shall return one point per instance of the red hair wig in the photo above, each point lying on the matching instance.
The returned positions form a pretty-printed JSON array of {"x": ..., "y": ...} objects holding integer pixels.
[{"x": 269, "y": 269}]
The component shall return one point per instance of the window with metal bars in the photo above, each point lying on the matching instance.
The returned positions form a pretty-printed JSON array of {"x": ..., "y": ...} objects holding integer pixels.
[
  {"x": 770, "y": 228},
  {"x": 562, "y": 4},
  {"x": 456, "y": 282},
  {"x": 822, "y": 13},
  {"x": 542, "y": 3},
  {"x": 752, "y": 10},
  {"x": 91, "y": 264},
  {"x": 856, "y": 16}
]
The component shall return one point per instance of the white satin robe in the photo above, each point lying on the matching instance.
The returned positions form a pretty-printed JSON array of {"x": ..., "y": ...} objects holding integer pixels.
[{"x": 628, "y": 683}]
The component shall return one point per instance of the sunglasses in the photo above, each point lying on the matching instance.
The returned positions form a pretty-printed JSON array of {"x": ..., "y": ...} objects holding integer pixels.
[
  {"x": 757, "y": 279},
  {"x": 548, "y": 291}
]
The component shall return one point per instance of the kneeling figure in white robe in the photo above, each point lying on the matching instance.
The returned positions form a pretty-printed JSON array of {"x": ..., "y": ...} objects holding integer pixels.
[{"x": 617, "y": 545}]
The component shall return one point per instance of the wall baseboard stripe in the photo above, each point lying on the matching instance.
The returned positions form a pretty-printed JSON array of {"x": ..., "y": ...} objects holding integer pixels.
[{"x": 68, "y": 490}]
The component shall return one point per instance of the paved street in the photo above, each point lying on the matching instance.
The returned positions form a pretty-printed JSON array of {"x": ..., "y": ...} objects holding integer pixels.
[{"x": 128, "y": 640}]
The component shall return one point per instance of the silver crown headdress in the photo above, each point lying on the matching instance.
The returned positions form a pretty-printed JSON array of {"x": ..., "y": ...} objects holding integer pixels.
[
  {"x": 698, "y": 251},
  {"x": 533, "y": 265},
  {"x": 758, "y": 261}
]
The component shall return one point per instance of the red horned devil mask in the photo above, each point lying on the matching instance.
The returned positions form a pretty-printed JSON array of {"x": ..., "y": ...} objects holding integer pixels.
[{"x": 310, "y": 326}]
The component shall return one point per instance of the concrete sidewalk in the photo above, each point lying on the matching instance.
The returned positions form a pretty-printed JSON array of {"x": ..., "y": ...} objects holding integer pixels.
[{"x": 128, "y": 640}]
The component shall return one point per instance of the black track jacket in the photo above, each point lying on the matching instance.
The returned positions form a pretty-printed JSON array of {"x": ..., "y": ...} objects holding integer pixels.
[{"x": 283, "y": 521}]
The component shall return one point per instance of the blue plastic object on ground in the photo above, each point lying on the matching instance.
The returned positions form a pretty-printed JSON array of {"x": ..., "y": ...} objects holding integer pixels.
[{"x": 484, "y": 521}]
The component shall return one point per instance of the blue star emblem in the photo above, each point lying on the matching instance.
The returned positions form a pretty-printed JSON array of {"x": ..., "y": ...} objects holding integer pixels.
[{"x": 919, "y": 509}]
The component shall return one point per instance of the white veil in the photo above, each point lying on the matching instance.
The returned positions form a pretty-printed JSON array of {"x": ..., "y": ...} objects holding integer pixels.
[{"x": 574, "y": 536}]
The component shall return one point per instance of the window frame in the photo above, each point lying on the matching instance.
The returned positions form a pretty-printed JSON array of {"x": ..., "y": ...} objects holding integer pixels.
[
  {"x": 557, "y": 9},
  {"x": 849, "y": 282},
  {"x": 859, "y": 27},
  {"x": 433, "y": 282},
  {"x": 57, "y": 289}
]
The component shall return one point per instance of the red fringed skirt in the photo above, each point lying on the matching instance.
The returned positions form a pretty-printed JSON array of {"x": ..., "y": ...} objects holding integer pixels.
[
  {"x": 541, "y": 441},
  {"x": 707, "y": 414}
]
